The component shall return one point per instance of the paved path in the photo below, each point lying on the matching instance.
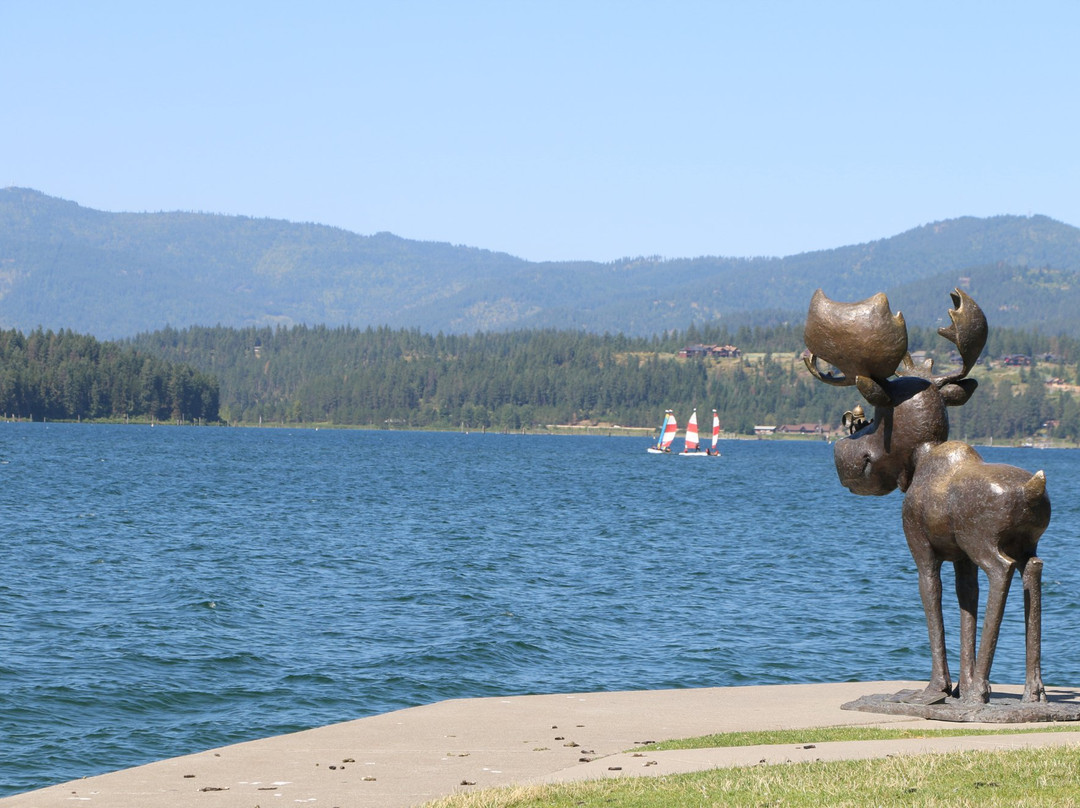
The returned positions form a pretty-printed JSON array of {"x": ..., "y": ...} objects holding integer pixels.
[{"x": 407, "y": 757}]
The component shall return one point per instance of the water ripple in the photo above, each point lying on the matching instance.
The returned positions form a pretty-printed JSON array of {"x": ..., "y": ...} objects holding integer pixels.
[{"x": 171, "y": 590}]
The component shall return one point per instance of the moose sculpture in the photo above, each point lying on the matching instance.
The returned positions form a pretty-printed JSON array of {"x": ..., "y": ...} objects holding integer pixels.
[{"x": 956, "y": 507}]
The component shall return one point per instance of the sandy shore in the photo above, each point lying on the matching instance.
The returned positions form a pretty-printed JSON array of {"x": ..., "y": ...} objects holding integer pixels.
[{"x": 407, "y": 757}]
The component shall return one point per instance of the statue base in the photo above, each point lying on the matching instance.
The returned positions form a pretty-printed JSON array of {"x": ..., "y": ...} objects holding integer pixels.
[{"x": 1002, "y": 709}]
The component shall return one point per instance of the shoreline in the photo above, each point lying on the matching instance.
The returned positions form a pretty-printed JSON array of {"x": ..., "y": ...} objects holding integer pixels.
[
  {"x": 601, "y": 430},
  {"x": 410, "y": 756}
]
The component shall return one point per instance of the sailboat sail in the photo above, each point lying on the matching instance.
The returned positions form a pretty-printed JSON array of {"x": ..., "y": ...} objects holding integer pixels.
[
  {"x": 692, "y": 434},
  {"x": 715, "y": 430},
  {"x": 670, "y": 428}
]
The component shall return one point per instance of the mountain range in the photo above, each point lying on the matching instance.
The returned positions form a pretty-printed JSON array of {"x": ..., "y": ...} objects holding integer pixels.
[{"x": 114, "y": 275}]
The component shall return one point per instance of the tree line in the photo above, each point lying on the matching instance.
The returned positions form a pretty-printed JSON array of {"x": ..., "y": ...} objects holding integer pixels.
[
  {"x": 61, "y": 375},
  {"x": 502, "y": 381},
  {"x": 523, "y": 379}
]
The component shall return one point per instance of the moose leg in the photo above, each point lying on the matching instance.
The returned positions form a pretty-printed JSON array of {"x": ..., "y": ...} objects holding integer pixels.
[
  {"x": 999, "y": 571},
  {"x": 940, "y": 684},
  {"x": 967, "y": 593},
  {"x": 1031, "y": 575}
]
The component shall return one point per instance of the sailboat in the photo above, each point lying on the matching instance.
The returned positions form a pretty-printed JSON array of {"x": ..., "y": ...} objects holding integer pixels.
[
  {"x": 714, "y": 451},
  {"x": 668, "y": 428},
  {"x": 693, "y": 447}
]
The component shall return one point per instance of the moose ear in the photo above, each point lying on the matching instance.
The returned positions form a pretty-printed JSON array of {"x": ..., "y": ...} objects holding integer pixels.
[{"x": 958, "y": 392}]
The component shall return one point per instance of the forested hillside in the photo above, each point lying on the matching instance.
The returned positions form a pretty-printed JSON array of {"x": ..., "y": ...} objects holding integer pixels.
[
  {"x": 404, "y": 378},
  {"x": 115, "y": 275},
  {"x": 319, "y": 325}
]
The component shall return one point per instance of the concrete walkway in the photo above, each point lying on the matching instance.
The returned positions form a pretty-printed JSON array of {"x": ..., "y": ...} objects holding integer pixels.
[{"x": 407, "y": 757}]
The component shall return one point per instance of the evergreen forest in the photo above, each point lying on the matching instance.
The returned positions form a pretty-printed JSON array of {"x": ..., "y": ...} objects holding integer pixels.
[
  {"x": 508, "y": 381},
  {"x": 63, "y": 376},
  {"x": 502, "y": 381},
  {"x": 505, "y": 381}
]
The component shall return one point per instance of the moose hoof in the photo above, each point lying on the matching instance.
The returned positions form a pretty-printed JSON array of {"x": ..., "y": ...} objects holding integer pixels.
[
  {"x": 976, "y": 694},
  {"x": 1033, "y": 695}
]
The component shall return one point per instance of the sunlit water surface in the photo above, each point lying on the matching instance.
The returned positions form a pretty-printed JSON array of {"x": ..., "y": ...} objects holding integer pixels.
[{"x": 168, "y": 590}]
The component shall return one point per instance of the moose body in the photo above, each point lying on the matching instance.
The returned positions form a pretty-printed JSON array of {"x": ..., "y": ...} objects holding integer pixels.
[{"x": 957, "y": 507}]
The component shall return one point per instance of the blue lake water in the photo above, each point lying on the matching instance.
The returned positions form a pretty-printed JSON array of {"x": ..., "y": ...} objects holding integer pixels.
[{"x": 168, "y": 590}]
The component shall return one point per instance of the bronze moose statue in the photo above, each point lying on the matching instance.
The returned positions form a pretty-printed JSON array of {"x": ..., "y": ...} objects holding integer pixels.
[{"x": 957, "y": 507}]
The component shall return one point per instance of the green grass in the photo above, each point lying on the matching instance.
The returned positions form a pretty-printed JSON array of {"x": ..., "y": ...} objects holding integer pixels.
[
  {"x": 1031, "y": 777},
  {"x": 826, "y": 734},
  {"x": 1047, "y": 776}
]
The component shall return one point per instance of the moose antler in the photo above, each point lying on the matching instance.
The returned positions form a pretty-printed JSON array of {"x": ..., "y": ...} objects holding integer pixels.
[
  {"x": 863, "y": 339},
  {"x": 866, "y": 343},
  {"x": 967, "y": 332}
]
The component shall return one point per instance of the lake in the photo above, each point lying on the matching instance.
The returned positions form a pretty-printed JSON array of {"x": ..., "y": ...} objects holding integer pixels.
[{"x": 172, "y": 589}]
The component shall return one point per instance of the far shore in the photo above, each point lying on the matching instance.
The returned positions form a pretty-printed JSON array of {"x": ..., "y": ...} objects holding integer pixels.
[{"x": 602, "y": 429}]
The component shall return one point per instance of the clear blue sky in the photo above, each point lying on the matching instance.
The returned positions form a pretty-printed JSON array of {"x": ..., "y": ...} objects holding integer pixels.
[{"x": 553, "y": 129}]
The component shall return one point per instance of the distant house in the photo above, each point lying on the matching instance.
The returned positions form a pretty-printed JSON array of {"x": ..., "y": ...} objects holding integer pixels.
[
  {"x": 721, "y": 351},
  {"x": 695, "y": 350},
  {"x": 801, "y": 429},
  {"x": 1016, "y": 360},
  {"x": 725, "y": 351},
  {"x": 764, "y": 430}
]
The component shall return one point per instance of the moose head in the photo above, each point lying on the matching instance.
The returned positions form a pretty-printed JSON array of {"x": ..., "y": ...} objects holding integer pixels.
[
  {"x": 867, "y": 345},
  {"x": 957, "y": 508}
]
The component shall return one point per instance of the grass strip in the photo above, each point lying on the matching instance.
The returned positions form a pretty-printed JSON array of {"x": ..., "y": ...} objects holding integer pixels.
[
  {"x": 847, "y": 733},
  {"x": 1023, "y": 777}
]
